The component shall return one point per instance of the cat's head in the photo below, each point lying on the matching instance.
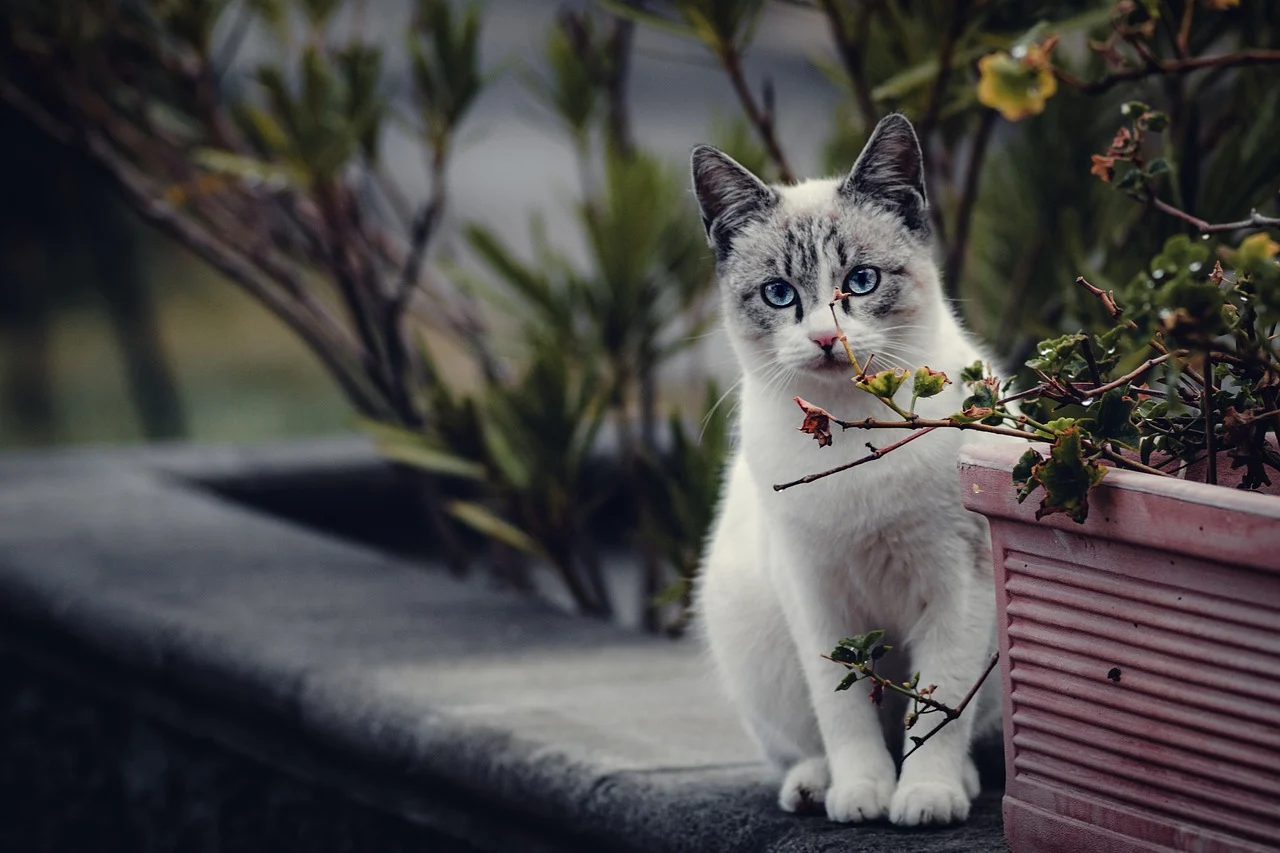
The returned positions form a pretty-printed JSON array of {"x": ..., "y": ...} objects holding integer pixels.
[{"x": 782, "y": 251}]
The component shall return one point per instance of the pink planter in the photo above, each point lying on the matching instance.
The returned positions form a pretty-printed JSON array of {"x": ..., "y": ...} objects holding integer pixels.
[{"x": 1140, "y": 655}]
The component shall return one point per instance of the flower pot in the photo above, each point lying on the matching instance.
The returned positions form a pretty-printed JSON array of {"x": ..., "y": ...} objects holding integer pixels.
[{"x": 1140, "y": 660}]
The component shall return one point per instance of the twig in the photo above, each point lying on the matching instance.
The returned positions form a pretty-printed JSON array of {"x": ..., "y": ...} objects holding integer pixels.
[
  {"x": 1183, "y": 40},
  {"x": 1087, "y": 349},
  {"x": 954, "y": 267},
  {"x": 936, "y": 94},
  {"x": 947, "y": 423},
  {"x": 620, "y": 49},
  {"x": 1255, "y": 219},
  {"x": 952, "y": 714},
  {"x": 873, "y": 455},
  {"x": 1207, "y": 407},
  {"x": 1021, "y": 395},
  {"x": 890, "y": 684},
  {"x": 1126, "y": 462},
  {"x": 851, "y": 55},
  {"x": 235, "y": 38},
  {"x": 1099, "y": 390},
  {"x": 760, "y": 119},
  {"x": 1169, "y": 67}
]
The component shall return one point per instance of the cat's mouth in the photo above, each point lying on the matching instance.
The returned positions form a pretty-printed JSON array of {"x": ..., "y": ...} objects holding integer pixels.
[{"x": 828, "y": 365}]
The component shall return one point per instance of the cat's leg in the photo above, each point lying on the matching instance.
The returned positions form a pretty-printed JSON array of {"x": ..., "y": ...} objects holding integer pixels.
[
  {"x": 949, "y": 648},
  {"x": 752, "y": 648},
  {"x": 861, "y": 768}
]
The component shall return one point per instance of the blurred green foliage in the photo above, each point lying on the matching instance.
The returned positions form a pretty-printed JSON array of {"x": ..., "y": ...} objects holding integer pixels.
[{"x": 280, "y": 187}]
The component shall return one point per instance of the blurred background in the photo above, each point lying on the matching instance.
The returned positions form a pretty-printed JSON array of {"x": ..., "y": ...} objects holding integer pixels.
[
  {"x": 465, "y": 229},
  {"x": 113, "y": 333}
]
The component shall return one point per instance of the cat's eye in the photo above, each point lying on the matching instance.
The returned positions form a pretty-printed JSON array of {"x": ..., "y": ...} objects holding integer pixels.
[
  {"x": 779, "y": 294},
  {"x": 861, "y": 280}
]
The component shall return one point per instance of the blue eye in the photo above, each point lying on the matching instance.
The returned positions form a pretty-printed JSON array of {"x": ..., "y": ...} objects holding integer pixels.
[
  {"x": 779, "y": 294},
  {"x": 861, "y": 280}
]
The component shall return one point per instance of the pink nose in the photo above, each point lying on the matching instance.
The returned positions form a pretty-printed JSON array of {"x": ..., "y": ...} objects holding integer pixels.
[{"x": 826, "y": 341}]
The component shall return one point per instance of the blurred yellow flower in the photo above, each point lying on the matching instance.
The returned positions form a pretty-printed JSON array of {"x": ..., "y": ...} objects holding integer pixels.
[
  {"x": 1255, "y": 250},
  {"x": 1018, "y": 84}
]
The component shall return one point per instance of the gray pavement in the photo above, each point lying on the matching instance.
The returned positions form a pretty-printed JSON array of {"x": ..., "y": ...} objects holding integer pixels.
[{"x": 597, "y": 735}]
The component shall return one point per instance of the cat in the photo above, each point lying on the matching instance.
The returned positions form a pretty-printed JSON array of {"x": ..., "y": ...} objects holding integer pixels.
[{"x": 885, "y": 545}]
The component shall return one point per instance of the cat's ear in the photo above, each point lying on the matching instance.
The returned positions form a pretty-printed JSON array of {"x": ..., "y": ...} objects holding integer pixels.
[
  {"x": 890, "y": 170},
  {"x": 728, "y": 194}
]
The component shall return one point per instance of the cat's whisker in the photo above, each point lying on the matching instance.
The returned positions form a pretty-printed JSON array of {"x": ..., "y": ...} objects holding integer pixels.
[{"x": 707, "y": 418}]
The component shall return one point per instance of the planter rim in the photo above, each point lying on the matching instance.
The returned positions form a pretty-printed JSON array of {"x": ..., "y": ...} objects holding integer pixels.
[{"x": 1137, "y": 508}]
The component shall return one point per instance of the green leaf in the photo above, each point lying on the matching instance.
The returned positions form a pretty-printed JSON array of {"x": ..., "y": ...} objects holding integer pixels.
[
  {"x": 626, "y": 10},
  {"x": 928, "y": 383},
  {"x": 973, "y": 373},
  {"x": 1158, "y": 166},
  {"x": 483, "y": 520},
  {"x": 252, "y": 171},
  {"x": 850, "y": 679},
  {"x": 1024, "y": 473},
  {"x": 883, "y": 384},
  {"x": 417, "y": 450},
  {"x": 1112, "y": 418},
  {"x": 845, "y": 653},
  {"x": 1056, "y": 354},
  {"x": 919, "y": 76},
  {"x": 1068, "y": 477},
  {"x": 1058, "y": 425},
  {"x": 675, "y": 592}
]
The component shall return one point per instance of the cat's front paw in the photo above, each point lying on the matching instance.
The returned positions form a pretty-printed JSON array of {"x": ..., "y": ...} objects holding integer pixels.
[
  {"x": 805, "y": 786},
  {"x": 859, "y": 800},
  {"x": 931, "y": 803}
]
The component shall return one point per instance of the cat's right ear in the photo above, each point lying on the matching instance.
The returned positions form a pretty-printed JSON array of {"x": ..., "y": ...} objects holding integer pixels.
[{"x": 728, "y": 194}]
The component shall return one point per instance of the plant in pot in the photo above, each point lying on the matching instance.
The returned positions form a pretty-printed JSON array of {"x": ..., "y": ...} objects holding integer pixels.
[
  {"x": 1136, "y": 542},
  {"x": 1139, "y": 591}
]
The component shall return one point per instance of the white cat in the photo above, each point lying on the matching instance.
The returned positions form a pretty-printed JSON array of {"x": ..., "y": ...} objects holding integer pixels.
[{"x": 884, "y": 545}]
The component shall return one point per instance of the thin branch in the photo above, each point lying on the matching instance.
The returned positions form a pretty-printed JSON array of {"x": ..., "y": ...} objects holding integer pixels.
[
  {"x": 145, "y": 199},
  {"x": 952, "y": 714},
  {"x": 851, "y": 55},
  {"x": 946, "y": 423},
  {"x": 1182, "y": 42},
  {"x": 424, "y": 226},
  {"x": 1133, "y": 374},
  {"x": 1125, "y": 462},
  {"x": 954, "y": 267},
  {"x": 1169, "y": 67},
  {"x": 1207, "y": 407},
  {"x": 620, "y": 49},
  {"x": 873, "y": 455},
  {"x": 235, "y": 38},
  {"x": 890, "y": 684},
  {"x": 762, "y": 120},
  {"x": 937, "y": 93},
  {"x": 1255, "y": 219}
]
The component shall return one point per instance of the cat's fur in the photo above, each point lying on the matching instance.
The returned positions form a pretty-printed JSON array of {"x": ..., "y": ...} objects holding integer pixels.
[{"x": 884, "y": 545}]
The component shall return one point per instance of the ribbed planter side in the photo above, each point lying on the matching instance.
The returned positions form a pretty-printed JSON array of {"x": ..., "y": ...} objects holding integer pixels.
[{"x": 1140, "y": 663}]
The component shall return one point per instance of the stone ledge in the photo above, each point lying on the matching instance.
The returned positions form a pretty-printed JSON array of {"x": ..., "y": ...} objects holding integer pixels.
[{"x": 488, "y": 717}]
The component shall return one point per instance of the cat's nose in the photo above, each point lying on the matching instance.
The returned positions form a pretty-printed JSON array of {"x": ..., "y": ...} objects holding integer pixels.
[{"x": 827, "y": 342}]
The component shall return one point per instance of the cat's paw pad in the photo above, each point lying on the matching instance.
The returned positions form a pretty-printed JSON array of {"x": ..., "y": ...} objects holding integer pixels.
[
  {"x": 971, "y": 780},
  {"x": 929, "y": 804},
  {"x": 805, "y": 786},
  {"x": 859, "y": 800}
]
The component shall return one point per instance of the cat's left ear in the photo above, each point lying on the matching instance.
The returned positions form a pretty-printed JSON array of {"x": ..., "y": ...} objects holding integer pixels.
[
  {"x": 890, "y": 171},
  {"x": 729, "y": 196}
]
